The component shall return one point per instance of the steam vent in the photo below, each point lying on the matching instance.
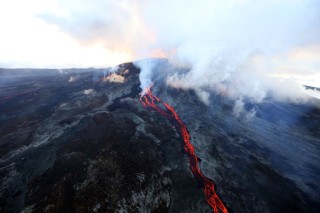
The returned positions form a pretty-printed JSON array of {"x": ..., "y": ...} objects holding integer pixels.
[{"x": 91, "y": 140}]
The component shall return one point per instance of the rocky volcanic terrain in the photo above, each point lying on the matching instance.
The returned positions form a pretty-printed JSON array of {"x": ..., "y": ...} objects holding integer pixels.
[{"x": 81, "y": 141}]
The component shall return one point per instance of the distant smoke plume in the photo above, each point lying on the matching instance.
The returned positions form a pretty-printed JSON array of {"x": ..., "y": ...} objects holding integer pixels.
[{"x": 239, "y": 48}]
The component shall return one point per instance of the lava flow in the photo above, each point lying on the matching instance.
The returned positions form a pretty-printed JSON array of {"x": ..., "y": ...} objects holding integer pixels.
[{"x": 151, "y": 101}]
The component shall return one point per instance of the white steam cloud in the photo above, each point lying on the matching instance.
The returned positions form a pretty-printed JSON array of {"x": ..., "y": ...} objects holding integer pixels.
[
  {"x": 147, "y": 67},
  {"x": 239, "y": 48}
]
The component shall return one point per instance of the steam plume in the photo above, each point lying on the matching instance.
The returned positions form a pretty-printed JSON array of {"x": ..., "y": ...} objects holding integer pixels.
[
  {"x": 240, "y": 48},
  {"x": 147, "y": 67}
]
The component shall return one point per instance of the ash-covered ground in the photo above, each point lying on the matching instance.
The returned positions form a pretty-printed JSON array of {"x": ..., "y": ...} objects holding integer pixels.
[{"x": 80, "y": 141}]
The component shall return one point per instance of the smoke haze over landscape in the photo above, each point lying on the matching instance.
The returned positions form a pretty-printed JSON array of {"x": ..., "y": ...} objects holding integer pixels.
[
  {"x": 240, "y": 48},
  {"x": 160, "y": 106}
]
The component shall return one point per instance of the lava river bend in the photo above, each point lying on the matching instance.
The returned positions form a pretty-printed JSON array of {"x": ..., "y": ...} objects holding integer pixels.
[{"x": 149, "y": 100}]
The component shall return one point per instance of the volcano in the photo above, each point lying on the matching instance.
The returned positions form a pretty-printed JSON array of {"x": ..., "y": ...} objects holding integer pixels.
[{"x": 90, "y": 140}]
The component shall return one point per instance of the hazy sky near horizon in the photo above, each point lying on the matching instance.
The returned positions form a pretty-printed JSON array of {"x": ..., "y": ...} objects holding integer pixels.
[{"x": 235, "y": 38}]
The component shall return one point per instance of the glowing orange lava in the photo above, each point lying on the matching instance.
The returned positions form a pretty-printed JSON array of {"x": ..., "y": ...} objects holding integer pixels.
[{"x": 151, "y": 101}]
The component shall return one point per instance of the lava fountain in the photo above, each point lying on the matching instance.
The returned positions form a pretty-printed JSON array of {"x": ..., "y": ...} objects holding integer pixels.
[{"x": 149, "y": 100}]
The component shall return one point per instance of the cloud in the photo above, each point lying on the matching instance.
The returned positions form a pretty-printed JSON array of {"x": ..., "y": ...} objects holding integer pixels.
[
  {"x": 240, "y": 112},
  {"x": 117, "y": 25},
  {"x": 29, "y": 40},
  {"x": 240, "y": 48}
]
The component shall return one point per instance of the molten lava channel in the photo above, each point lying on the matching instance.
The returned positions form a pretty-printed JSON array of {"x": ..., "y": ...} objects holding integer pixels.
[{"x": 149, "y": 100}]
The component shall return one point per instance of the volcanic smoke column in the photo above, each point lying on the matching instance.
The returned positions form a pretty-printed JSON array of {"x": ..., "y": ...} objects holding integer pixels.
[{"x": 151, "y": 101}]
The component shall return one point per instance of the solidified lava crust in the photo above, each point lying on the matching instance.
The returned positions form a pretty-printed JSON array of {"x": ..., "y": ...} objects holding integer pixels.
[{"x": 150, "y": 100}]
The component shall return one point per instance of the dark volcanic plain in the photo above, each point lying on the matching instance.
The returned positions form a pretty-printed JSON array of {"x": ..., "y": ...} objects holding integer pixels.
[{"x": 80, "y": 141}]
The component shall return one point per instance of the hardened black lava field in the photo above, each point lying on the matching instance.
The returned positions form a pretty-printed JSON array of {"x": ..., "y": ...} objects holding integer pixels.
[{"x": 80, "y": 140}]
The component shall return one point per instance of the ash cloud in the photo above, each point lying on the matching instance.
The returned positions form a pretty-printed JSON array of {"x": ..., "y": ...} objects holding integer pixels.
[{"x": 238, "y": 48}]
